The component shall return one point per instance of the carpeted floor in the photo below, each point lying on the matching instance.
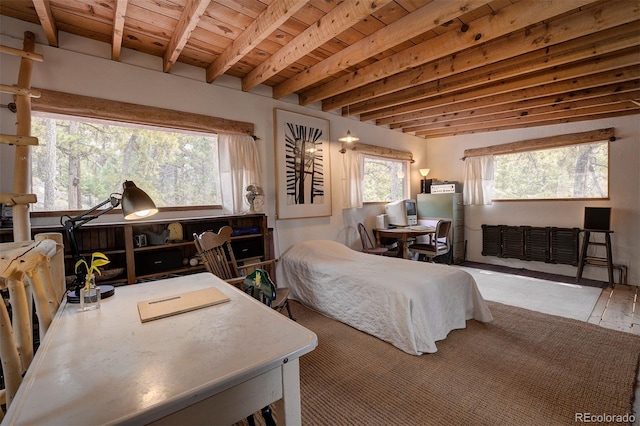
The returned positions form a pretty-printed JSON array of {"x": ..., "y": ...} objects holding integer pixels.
[{"x": 524, "y": 368}]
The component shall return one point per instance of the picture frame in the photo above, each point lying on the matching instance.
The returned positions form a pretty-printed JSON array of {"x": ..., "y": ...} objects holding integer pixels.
[{"x": 303, "y": 165}]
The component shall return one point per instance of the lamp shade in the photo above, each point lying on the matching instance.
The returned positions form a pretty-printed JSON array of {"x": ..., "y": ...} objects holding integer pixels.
[
  {"x": 424, "y": 172},
  {"x": 135, "y": 202},
  {"x": 349, "y": 138}
]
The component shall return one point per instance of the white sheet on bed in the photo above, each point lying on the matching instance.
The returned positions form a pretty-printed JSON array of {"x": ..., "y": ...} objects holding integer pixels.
[{"x": 408, "y": 304}]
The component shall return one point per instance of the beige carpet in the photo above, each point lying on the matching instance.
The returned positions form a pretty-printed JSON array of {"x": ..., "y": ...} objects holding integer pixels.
[{"x": 525, "y": 368}]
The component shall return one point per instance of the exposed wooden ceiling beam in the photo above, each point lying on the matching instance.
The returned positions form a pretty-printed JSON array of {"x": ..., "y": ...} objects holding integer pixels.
[
  {"x": 333, "y": 23},
  {"x": 412, "y": 25},
  {"x": 504, "y": 21},
  {"x": 563, "y": 29},
  {"x": 450, "y": 104},
  {"x": 594, "y": 113},
  {"x": 528, "y": 125},
  {"x": 193, "y": 11},
  {"x": 589, "y": 66},
  {"x": 553, "y": 101},
  {"x": 43, "y": 9},
  {"x": 611, "y": 40},
  {"x": 481, "y": 115},
  {"x": 265, "y": 24},
  {"x": 118, "y": 28}
]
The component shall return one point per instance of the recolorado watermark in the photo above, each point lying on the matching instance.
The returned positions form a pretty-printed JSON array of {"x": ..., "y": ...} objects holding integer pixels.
[{"x": 604, "y": 418}]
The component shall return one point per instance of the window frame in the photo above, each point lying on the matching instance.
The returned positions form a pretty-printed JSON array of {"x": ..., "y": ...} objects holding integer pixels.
[
  {"x": 608, "y": 187},
  {"x": 407, "y": 170},
  {"x": 67, "y": 104},
  {"x": 558, "y": 141}
]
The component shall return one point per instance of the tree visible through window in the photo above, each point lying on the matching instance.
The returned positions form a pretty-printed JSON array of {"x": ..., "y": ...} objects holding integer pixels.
[
  {"x": 80, "y": 162},
  {"x": 384, "y": 179},
  {"x": 576, "y": 171}
]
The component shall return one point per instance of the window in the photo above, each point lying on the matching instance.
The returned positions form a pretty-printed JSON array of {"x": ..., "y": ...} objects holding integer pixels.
[
  {"x": 569, "y": 172},
  {"x": 80, "y": 162},
  {"x": 384, "y": 179}
]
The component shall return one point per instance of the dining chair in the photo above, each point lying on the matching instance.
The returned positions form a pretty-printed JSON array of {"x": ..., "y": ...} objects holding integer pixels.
[
  {"x": 367, "y": 244},
  {"x": 217, "y": 254},
  {"x": 438, "y": 245}
]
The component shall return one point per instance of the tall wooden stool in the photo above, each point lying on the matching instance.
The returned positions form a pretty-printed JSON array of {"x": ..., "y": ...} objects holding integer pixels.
[
  {"x": 595, "y": 260},
  {"x": 597, "y": 220}
]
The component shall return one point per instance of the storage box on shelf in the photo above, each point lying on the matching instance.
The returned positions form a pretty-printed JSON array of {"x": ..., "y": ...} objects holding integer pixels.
[{"x": 130, "y": 262}]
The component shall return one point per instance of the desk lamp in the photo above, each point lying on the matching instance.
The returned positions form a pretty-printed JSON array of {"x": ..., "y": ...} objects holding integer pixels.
[
  {"x": 425, "y": 187},
  {"x": 136, "y": 204}
]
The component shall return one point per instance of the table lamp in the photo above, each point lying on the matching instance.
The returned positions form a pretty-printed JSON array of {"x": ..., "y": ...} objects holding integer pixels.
[
  {"x": 136, "y": 204},
  {"x": 425, "y": 184}
]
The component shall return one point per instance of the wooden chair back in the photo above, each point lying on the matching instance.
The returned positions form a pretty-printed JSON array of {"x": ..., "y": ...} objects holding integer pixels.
[
  {"x": 217, "y": 254},
  {"x": 26, "y": 280},
  {"x": 216, "y": 251}
]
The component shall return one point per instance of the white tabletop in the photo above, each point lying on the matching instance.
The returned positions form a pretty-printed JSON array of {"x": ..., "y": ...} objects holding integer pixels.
[{"x": 106, "y": 366}]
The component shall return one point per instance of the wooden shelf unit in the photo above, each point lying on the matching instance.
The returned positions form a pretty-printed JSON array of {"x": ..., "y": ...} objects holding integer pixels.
[{"x": 116, "y": 240}]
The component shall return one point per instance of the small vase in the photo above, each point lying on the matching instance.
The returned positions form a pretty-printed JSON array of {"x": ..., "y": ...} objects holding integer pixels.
[{"x": 90, "y": 298}]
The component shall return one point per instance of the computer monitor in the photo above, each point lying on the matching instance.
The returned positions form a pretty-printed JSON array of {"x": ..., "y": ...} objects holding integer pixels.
[{"x": 402, "y": 212}]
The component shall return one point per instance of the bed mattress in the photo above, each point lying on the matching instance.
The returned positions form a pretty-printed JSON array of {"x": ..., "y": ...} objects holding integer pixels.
[{"x": 409, "y": 304}]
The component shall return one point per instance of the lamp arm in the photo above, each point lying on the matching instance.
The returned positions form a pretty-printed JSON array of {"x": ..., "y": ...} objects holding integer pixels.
[
  {"x": 71, "y": 224},
  {"x": 87, "y": 216}
]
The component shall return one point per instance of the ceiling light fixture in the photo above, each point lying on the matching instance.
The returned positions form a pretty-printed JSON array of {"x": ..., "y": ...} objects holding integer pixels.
[{"x": 348, "y": 138}]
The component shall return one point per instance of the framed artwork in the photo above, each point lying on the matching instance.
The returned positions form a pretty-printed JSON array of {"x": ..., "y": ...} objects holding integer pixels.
[{"x": 303, "y": 169}]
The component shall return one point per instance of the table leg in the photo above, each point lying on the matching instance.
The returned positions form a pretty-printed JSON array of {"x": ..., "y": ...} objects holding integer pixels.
[
  {"x": 288, "y": 408},
  {"x": 405, "y": 247}
]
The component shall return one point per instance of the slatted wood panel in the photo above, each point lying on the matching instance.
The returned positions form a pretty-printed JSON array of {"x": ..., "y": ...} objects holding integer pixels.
[
  {"x": 564, "y": 243},
  {"x": 491, "y": 240},
  {"x": 536, "y": 241},
  {"x": 544, "y": 244},
  {"x": 513, "y": 242}
]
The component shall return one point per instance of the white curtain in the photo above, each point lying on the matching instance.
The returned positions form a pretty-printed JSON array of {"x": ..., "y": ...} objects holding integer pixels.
[
  {"x": 239, "y": 167},
  {"x": 352, "y": 172},
  {"x": 478, "y": 180}
]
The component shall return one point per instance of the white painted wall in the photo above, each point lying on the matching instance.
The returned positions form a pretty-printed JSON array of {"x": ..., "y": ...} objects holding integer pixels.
[
  {"x": 84, "y": 67},
  {"x": 624, "y": 190}
]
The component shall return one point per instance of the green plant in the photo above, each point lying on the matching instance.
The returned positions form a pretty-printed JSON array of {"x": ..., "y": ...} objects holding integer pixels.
[{"x": 97, "y": 259}]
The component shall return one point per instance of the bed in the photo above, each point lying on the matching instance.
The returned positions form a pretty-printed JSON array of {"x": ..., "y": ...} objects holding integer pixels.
[{"x": 409, "y": 304}]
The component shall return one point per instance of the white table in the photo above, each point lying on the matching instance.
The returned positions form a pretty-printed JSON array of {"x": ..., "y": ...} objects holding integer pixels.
[{"x": 214, "y": 365}]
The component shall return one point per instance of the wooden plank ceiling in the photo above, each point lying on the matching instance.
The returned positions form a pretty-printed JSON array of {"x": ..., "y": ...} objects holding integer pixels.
[{"x": 430, "y": 68}]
